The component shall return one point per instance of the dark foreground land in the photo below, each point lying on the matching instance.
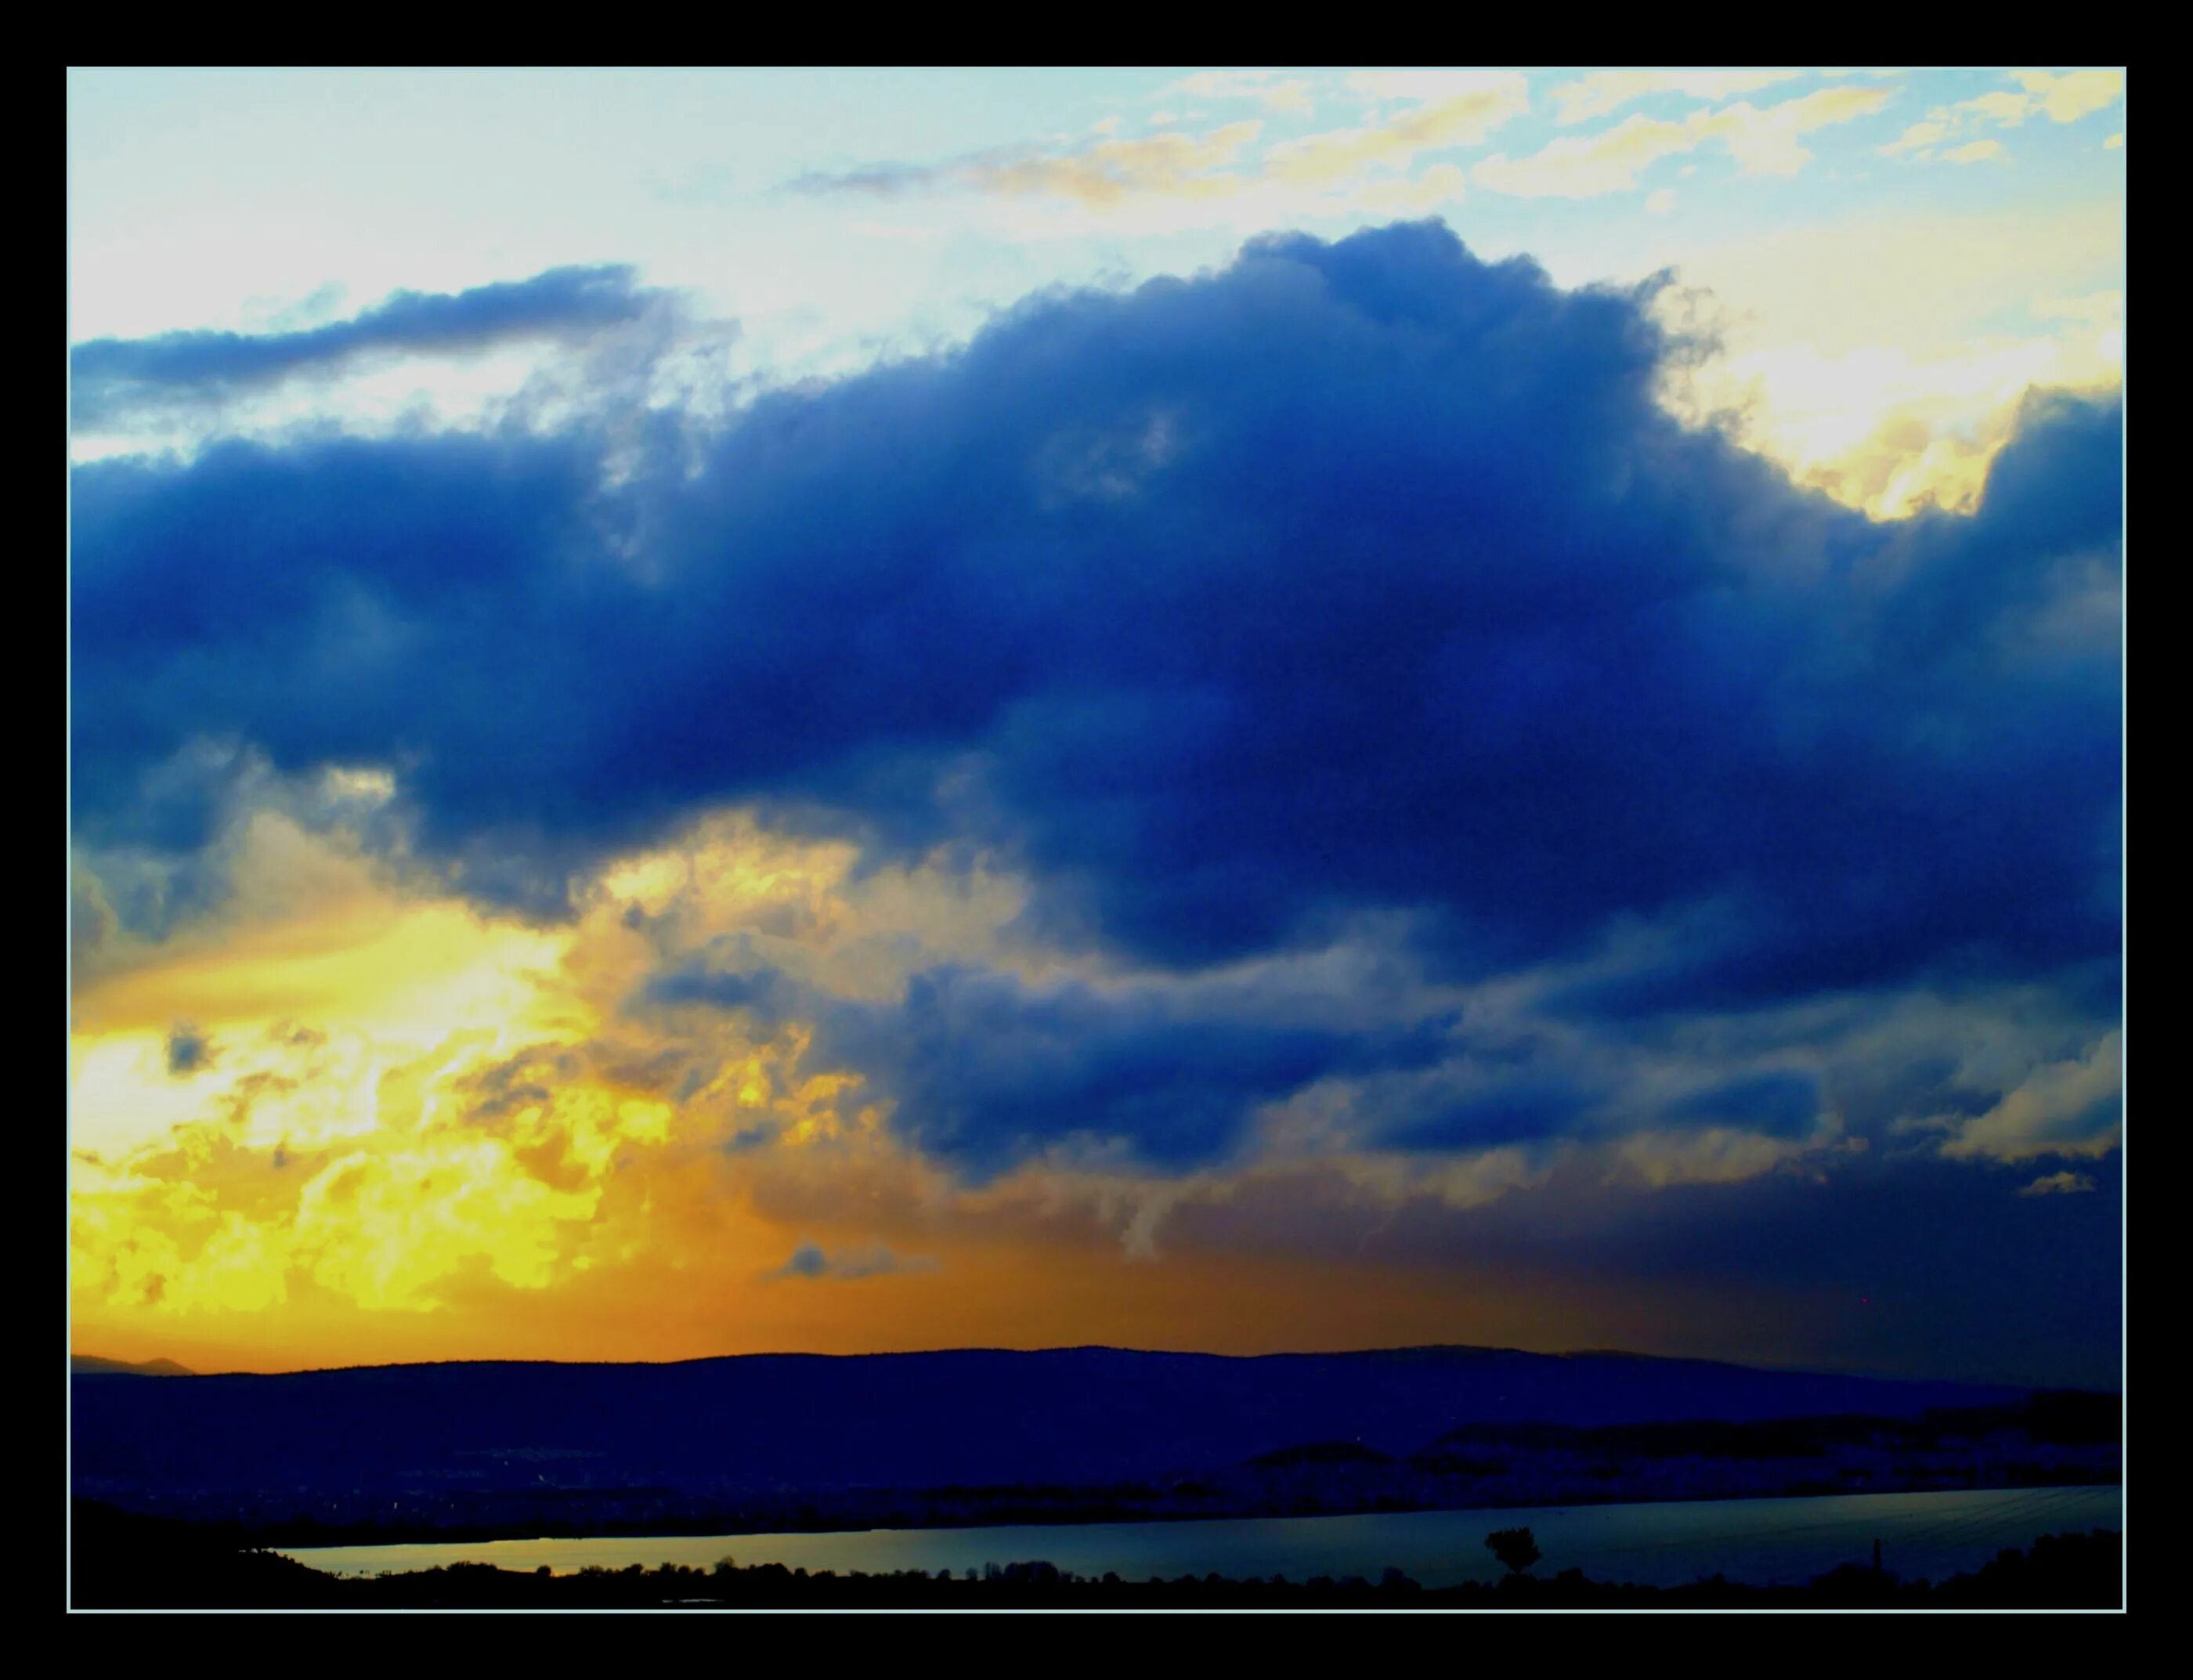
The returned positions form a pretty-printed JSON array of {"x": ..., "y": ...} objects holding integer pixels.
[
  {"x": 762, "y": 1444},
  {"x": 120, "y": 1561}
]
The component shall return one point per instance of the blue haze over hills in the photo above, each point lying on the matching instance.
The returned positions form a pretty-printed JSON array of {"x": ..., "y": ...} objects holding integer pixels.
[{"x": 775, "y": 1424}]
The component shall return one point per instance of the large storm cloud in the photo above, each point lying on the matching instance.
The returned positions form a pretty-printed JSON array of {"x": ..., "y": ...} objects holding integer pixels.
[{"x": 1356, "y": 579}]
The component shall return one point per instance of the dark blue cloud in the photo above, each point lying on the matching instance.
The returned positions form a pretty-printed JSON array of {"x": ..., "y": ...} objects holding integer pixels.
[
  {"x": 1363, "y": 576},
  {"x": 205, "y": 604},
  {"x": 983, "y": 1070},
  {"x": 764, "y": 992},
  {"x": 815, "y": 1264},
  {"x": 1496, "y": 1107},
  {"x": 1781, "y": 1104},
  {"x": 188, "y": 1050},
  {"x": 1533, "y": 1110},
  {"x": 110, "y": 377}
]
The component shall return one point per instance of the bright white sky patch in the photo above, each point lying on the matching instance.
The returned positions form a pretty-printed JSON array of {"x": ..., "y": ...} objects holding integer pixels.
[{"x": 264, "y": 200}]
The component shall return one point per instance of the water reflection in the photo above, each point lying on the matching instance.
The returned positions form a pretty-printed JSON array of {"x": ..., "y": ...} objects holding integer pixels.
[{"x": 1754, "y": 1540}]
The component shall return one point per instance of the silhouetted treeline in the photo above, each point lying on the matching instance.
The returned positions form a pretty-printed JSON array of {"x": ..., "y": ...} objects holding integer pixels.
[{"x": 123, "y": 1562}]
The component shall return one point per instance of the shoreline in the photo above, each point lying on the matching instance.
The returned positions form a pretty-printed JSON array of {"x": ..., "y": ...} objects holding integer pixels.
[{"x": 427, "y": 1536}]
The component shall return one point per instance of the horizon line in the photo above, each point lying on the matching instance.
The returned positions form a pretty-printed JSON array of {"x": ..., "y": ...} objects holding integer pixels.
[{"x": 1106, "y": 1347}]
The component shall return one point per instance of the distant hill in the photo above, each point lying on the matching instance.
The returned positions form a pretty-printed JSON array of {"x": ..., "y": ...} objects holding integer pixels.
[
  {"x": 85, "y": 1365},
  {"x": 455, "y": 1444}
]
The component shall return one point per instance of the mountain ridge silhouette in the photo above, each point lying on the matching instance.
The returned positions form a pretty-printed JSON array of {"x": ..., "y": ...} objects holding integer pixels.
[{"x": 951, "y": 1417}]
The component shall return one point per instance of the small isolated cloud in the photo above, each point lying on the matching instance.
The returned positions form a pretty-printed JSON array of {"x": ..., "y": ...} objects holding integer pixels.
[
  {"x": 1979, "y": 152},
  {"x": 811, "y": 1261},
  {"x": 2115, "y": 142},
  {"x": 189, "y": 1050},
  {"x": 1920, "y": 137},
  {"x": 2060, "y": 1183},
  {"x": 1661, "y": 202}
]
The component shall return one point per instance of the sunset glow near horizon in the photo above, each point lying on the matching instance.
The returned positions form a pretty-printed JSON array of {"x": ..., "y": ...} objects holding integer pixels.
[{"x": 1234, "y": 710}]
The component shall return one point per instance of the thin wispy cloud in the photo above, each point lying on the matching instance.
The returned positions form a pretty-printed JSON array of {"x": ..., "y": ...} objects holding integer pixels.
[
  {"x": 1603, "y": 91},
  {"x": 110, "y": 377},
  {"x": 1760, "y": 141},
  {"x": 1274, "y": 89},
  {"x": 2060, "y": 98},
  {"x": 1450, "y": 117},
  {"x": 1437, "y": 112},
  {"x": 811, "y": 1263}
]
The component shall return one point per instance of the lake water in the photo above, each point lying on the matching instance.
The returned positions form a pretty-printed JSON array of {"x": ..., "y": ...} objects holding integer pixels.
[{"x": 1754, "y": 1540}]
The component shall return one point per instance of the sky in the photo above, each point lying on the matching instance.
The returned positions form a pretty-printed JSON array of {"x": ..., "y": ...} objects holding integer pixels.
[{"x": 718, "y": 712}]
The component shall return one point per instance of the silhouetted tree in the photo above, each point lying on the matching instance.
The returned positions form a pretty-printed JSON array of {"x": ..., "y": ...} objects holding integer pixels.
[{"x": 1517, "y": 1548}]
